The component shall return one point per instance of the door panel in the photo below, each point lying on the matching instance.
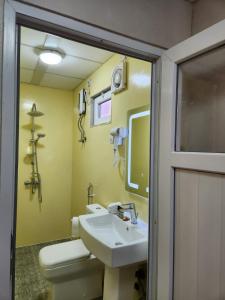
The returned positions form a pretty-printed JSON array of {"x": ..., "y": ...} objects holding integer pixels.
[
  {"x": 191, "y": 182},
  {"x": 199, "y": 236},
  {"x": 186, "y": 211}
]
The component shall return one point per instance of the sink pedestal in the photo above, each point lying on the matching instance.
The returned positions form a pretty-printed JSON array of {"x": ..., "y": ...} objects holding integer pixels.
[
  {"x": 121, "y": 246},
  {"x": 119, "y": 283}
]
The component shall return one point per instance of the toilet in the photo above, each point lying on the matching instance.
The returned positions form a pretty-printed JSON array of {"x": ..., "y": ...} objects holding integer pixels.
[{"x": 73, "y": 272}]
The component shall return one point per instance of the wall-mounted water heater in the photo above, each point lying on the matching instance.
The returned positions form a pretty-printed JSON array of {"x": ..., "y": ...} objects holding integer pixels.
[{"x": 82, "y": 102}]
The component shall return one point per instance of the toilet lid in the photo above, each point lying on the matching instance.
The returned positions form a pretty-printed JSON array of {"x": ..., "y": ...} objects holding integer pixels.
[{"x": 59, "y": 254}]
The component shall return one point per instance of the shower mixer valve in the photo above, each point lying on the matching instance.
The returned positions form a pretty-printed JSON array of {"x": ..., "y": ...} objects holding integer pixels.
[{"x": 31, "y": 182}]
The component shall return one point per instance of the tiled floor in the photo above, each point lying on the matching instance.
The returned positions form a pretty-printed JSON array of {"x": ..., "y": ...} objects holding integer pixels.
[{"x": 29, "y": 282}]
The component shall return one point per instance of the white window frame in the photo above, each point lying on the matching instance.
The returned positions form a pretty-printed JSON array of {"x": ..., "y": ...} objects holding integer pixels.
[{"x": 104, "y": 96}]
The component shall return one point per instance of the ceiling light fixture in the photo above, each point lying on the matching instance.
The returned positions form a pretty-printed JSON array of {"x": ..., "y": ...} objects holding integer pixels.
[{"x": 51, "y": 57}]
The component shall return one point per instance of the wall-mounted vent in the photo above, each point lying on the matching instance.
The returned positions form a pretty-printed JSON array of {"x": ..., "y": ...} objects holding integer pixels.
[{"x": 119, "y": 81}]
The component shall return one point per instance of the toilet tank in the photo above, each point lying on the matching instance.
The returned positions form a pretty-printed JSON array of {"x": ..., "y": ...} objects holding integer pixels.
[
  {"x": 90, "y": 209},
  {"x": 95, "y": 209}
]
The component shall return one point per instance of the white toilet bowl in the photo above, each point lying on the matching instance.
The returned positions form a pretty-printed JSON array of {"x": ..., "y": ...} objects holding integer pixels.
[{"x": 74, "y": 273}]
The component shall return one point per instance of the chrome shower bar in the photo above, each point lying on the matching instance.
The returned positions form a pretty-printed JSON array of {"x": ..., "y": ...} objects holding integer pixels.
[{"x": 35, "y": 181}]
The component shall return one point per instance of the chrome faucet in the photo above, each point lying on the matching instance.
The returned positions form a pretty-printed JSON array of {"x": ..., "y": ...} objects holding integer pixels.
[{"x": 128, "y": 207}]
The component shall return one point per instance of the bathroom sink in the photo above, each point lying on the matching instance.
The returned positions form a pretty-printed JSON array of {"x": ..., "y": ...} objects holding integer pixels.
[{"x": 113, "y": 241}]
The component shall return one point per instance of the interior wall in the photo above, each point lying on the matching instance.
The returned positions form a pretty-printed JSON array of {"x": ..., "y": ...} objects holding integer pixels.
[
  {"x": 37, "y": 223},
  {"x": 93, "y": 162},
  {"x": 207, "y": 13},
  {"x": 160, "y": 22}
]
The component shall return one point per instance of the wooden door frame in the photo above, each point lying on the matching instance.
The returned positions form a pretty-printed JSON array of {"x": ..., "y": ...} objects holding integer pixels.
[{"x": 18, "y": 13}]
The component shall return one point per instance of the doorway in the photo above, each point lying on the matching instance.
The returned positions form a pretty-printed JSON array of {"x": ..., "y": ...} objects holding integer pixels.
[{"x": 74, "y": 114}]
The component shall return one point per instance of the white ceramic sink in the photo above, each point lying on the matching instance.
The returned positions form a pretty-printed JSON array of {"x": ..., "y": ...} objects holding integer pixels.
[{"x": 113, "y": 241}]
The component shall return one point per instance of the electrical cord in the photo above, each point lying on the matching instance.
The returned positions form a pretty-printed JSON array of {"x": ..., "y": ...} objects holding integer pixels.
[
  {"x": 78, "y": 124},
  {"x": 81, "y": 129}
]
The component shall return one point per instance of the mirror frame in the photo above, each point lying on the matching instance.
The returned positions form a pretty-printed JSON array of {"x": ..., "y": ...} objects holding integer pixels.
[{"x": 132, "y": 115}]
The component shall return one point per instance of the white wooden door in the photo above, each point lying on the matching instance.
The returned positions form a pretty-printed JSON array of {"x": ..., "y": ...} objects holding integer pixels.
[{"x": 191, "y": 187}]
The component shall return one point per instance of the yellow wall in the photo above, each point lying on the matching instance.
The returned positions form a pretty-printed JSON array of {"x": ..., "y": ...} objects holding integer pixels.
[
  {"x": 93, "y": 162},
  {"x": 50, "y": 220},
  {"x": 65, "y": 165}
]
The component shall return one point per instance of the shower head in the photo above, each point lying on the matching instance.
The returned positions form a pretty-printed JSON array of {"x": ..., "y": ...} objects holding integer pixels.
[
  {"x": 34, "y": 112},
  {"x": 40, "y": 135}
]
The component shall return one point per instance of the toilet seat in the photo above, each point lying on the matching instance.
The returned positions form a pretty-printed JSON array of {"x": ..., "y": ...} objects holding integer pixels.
[{"x": 62, "y": 254}]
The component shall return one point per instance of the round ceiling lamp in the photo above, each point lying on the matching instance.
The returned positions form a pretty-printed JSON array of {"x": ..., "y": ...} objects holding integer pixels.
[{"x": 51, "y": 57}]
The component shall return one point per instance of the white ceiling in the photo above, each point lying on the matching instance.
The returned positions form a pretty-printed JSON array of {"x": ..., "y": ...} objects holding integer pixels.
[{"x": 79, "y": 60}]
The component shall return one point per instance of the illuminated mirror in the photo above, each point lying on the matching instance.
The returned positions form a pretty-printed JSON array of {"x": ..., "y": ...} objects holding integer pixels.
[{"x": 138, "y": 149}]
